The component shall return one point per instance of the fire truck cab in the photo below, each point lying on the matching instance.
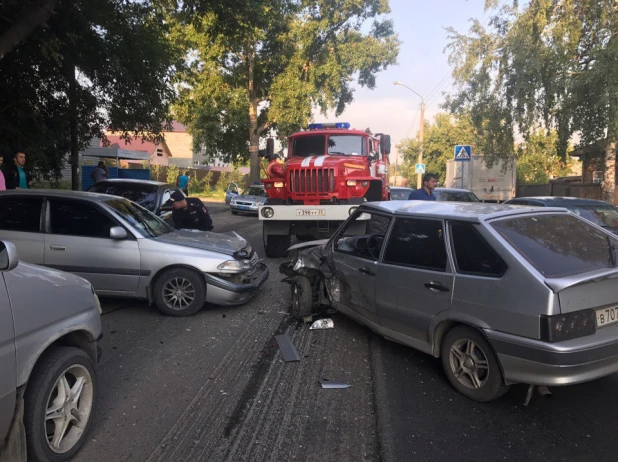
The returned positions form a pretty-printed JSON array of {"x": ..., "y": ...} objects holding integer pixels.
[{"x": 329, "y": 170}]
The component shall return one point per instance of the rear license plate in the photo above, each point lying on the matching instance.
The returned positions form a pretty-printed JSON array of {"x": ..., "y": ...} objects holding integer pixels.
[
  {"x": 310, "y": 213},
  {"x": 607, "y": 316}
]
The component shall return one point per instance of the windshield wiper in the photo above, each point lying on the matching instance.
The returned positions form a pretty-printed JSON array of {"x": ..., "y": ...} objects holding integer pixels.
[{"x": 612, "y": 251}]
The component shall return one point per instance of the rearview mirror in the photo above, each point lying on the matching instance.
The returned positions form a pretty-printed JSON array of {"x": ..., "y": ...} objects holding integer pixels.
[
  {"x": 8, "y": 256},
  {"x": 118, "y": 232},
  {"x": 385, "y": 144},
  {"x": 270, "y": 147}
]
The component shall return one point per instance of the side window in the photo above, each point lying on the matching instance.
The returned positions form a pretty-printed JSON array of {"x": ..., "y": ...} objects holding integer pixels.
[
  {"x": 165, "y": 199},
  {"x": 417, "y": 243},
  {"x": 20, "y": 214},
  {"x": 363, "y": 236},
  {"x": 74, "y": 218},
  {"x": 473, "y": 255}
]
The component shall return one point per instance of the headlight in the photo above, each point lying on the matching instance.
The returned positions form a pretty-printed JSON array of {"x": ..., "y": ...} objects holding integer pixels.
[
  {"x": 364, "y": 184},
  {"x": 97, "y": 302},
  {"x": 567, "y": 326},
  {"x": 268, "y": 185},
  {"x": 268, "y": 212},
  {"x": 351, "y": 183},
  {"x": 233, "y": 202},
  {"x": 279, "y": 184},
  {"x": 234, "y": 266}
]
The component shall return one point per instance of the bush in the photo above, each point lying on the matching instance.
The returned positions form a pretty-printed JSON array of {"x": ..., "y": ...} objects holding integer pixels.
[{"x": 172, "y": 174}]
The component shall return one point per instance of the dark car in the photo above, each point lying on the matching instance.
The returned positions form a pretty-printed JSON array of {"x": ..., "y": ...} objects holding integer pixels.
[
  {"x": 600, "y": 213},
  {"x": 152, "y": 195},
  {"x": 454, "y": 195},
  {"x": 397, "y": 193}
]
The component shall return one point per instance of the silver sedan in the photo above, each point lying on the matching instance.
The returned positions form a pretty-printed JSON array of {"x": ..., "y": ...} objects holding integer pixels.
[{"x": 126, "y": 251}]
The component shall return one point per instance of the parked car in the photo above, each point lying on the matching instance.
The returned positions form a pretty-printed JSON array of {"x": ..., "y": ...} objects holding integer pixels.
[
  {"x": 125, "y": 250},
  {"x": 600, "y": 213},
  {"x": 502, "y": 294},
  {"x": 454, "y": 195},
  {"x": 249, "y": 200},
  {"x": 397, "y": 193},
  {"x": 152, "y": 195},
  {"x": 50, "y": 325},
  {"x": 231, "y": 192}
]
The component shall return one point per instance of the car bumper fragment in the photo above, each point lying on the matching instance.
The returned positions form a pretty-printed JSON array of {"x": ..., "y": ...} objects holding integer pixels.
[{"x": 223, "y": 292}]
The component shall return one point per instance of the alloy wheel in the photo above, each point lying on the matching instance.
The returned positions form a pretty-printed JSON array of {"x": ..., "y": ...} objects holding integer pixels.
[
  {"x": 469, "y": 364},
  {"x": 178, "y": 293}
]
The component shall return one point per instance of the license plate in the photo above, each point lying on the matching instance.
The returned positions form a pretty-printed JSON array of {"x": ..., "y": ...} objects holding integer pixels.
[
  {"x": 242, "y": 207},
  {"x": 310, "y": 213},
  {"x": 607, "y": 316}
]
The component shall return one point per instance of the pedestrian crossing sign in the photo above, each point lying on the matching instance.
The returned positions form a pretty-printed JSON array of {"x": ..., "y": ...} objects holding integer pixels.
[
  {"x": 463, "y": 153},
  {"x": 419, "y": 169}
]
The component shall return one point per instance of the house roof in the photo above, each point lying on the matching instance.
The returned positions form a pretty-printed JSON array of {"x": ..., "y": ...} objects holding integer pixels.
[
  {"x": 135, "y": 144},
  {"x": 178, "y": 127}
]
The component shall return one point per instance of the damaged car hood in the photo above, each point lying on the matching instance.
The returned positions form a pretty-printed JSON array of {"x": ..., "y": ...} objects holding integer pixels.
[{"x": 226, "y": 243}]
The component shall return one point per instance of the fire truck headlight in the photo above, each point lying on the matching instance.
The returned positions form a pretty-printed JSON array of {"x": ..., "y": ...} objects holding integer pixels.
[
  {"x": 351, "y": 182},
  {"x": 364, "y": 184},
  {"x": 268, "y": 212},
  {"x": 268, "y": 185},
  {"x": 279, "y": 184}
]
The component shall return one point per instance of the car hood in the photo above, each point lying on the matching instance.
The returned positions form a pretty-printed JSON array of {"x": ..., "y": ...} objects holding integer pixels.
[
  {"x": 250, "y": 198},
  {"x": 225, "y": 243}
]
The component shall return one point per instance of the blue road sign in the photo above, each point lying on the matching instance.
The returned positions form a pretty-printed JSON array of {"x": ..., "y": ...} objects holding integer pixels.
[
  {"x": 463, "y": 153},
  {"x": 419, "y": 169}
]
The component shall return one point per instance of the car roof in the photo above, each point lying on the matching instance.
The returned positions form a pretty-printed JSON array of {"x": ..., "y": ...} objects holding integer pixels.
[
  {"x": 468, "y": 211},
  {"x": 60, "y": 193},
  {"x": 133, "y": 181},
  {"x": 561, "y": 201}
]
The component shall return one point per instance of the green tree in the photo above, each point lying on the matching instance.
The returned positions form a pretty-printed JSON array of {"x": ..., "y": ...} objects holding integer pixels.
[
  {"x": 439, "y": 141},
  {"x": 537, "y": 161},
  {"x": 290, "y": 57},
  {"x": 543, "y": 62},
  {"x": 98, "y": 64}
]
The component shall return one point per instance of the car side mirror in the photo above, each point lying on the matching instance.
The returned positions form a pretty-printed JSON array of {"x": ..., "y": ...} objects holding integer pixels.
[
  {"x": 8, "y": 256},
  {"x": 385, "y": 144},
  {"x": 118, "y": 233}
]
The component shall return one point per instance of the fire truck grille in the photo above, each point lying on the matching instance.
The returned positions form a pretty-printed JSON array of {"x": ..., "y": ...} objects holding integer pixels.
[{"x": 314, "y": 180}]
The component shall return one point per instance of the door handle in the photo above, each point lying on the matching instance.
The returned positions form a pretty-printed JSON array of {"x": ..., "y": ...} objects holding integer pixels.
[
  {"x": 57, "y": 247},
  {"x": 436, "y": 287},
  {"x": 367, "y": 271}
]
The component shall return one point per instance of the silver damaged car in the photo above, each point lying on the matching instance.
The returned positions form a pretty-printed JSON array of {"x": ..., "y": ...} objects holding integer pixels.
[
  {"x": 502, "y": 294},
  {"x": 126, "y": 251}
]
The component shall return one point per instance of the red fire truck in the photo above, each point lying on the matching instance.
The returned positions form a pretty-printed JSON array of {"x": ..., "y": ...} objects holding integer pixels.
[{"x": 330, "y": 169}]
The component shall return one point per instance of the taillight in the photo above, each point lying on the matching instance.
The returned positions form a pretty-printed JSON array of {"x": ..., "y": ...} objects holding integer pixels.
[{"x": 567, "y": 326}]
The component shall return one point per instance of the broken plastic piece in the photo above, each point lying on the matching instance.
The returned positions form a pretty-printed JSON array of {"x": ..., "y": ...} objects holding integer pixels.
[
  {"x": 307, "y": 319},
  {"x": 328, "y": 383},
  {"x": 323, "y": 324},
  {"x": 287, "y": 348}
]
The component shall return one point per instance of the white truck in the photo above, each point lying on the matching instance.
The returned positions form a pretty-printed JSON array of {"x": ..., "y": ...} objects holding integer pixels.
[{"x": 495, "y": 184}]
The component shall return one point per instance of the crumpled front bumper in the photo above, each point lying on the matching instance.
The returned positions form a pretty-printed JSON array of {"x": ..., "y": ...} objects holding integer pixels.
[{"x": 220, "y": 291}]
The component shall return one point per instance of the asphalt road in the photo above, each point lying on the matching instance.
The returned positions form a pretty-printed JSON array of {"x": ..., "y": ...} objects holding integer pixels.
[{"x": 214, "y": 387}]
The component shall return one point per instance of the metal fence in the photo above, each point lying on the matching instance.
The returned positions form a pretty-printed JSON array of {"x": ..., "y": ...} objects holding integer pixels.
[{"x": 585, "y": 191}]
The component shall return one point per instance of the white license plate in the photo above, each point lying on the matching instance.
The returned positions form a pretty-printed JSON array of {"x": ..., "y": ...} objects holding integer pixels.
[
  {"x": 310, "y": 213},
  {"x": 607, "y": 316}
]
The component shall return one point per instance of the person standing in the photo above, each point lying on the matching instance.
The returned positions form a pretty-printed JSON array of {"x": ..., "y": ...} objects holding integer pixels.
[
  {"x": 100, "y": 173},
  {"x": 189, "y": 213},
  {"x": 183, "y": 182},
  {"x": 17, "y": 176},
  {"x": 2, "y": 182},
  {"x": 430, "y": 182}
]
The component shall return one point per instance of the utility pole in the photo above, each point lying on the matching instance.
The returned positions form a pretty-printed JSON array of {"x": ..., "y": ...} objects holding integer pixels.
[{"x": 419, "y": 181}]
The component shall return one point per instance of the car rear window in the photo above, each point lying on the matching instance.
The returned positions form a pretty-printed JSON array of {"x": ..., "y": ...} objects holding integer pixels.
[
  {"x": 400, "y": 194},
  {"x": 142, "y": 194},
  {"x": 557, "y": 245}
]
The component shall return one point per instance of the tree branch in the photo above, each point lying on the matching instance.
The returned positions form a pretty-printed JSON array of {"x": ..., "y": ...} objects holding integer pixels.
[
  {"x": 26, "y": 25},
  {"x": 265, "y": 126}
]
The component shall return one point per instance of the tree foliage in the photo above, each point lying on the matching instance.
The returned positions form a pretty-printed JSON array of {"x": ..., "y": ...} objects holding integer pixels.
[
  {"x": 537, "y": 161},
  {"x": 292, "y": 56},
  {"x": 542, "y": 63}
]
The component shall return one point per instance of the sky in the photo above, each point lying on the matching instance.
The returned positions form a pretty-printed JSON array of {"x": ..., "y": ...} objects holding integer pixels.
[{"x": 422, "y": 66}]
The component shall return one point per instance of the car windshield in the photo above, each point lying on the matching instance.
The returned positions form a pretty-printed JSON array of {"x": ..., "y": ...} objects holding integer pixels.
[
  {"x": 254, "y": 191},
  {"x": 602, "y": 215},
  {"x": 400, "y": 194},
  {"x": 143, "y": 221},
  {"x": 142, "y": 194},
  {"x": 455, "y": 196},
  {"x": 338, "y": 145},
  {"x": 557, "y": 245}
]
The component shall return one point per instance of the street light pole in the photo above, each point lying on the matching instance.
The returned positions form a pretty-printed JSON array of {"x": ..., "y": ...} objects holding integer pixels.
[{"x": 419, "y": 181}]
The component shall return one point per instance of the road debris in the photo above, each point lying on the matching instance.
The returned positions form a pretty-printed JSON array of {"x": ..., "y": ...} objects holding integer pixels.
[
  {"x": 329, "y": 383},
  {"x": 326, "y": 323},
  {"x": 287, "y": 348}
]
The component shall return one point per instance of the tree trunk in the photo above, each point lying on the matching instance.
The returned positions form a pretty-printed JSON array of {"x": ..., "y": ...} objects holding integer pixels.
[
  {"x": 35, "y": 17},
  {"x": 75, "y": 186},
  {"x": 254, "y": 136}
]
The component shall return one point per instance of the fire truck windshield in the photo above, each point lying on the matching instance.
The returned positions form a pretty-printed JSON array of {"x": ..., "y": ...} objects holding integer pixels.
[{"x": 338, "y": 145}]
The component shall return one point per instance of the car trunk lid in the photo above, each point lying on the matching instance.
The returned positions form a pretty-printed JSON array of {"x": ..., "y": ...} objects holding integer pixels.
[{"x": 596, "y": 289}]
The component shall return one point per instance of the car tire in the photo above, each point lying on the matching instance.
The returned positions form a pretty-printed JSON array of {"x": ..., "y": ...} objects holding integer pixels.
[
  {"x": 276, "y": 246},
  {"x": 191, "y": 290},
  {"x": 234, "y": 212},
  {"x": 44, "y": 391},
  {"x": 471, "y": 365},
  {"x": 303, "y": 298}
]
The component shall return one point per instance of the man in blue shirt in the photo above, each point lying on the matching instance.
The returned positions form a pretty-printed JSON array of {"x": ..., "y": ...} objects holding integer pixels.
[
  {"x": 183, "y": 182},
  {"x": 430, "y": 182}
]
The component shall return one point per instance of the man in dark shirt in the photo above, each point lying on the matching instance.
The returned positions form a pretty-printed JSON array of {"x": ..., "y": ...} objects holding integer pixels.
[
  {"x": 430, "y": 182},
  {"x": 190, "y": 213}
]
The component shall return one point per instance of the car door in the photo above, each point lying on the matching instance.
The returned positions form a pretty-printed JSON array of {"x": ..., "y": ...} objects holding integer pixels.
[
  {"x": 356, "y": 250},
  {"x": 231, "y": 192},
  {"x": 8, "y": 377},
  {"x": 78, "y": 241},
  {"x": 415, "y": 279},
  {"x": 20, "y": 223},
  {"x": 165, "y": 207}
]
